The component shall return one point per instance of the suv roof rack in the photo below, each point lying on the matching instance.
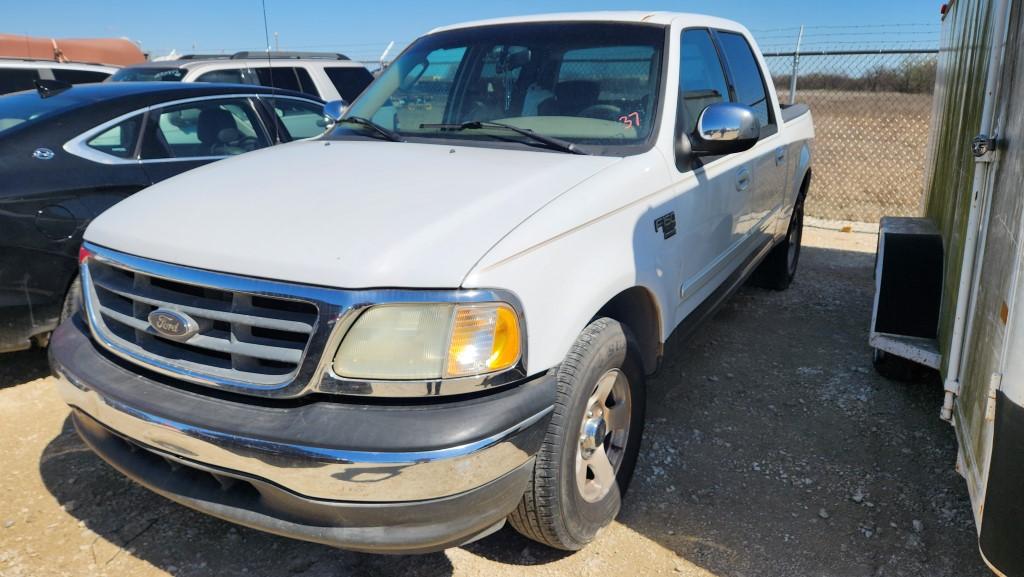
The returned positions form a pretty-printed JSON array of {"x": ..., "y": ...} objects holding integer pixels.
[
  {"x": 204, "y": 57},
  {"x": 252, "y": 54}
]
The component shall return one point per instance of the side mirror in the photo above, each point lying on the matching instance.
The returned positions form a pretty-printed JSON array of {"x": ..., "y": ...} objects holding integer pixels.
[
  {"x": 334, "y": 110},
  {"x": 724, "y": 128}
]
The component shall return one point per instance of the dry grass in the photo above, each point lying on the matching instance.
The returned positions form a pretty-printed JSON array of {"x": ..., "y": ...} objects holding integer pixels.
[{"x": 869, "y": 153}]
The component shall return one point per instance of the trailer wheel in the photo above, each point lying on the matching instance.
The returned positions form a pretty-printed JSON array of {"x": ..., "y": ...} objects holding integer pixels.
[
  {"x": 895, "y": 368},
  {"x": 592, "y": 441}
]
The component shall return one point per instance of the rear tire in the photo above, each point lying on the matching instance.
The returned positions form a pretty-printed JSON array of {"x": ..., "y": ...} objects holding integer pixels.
[
  {"x": 778, "y": 269},
  {"x": 592, "y": 441}
]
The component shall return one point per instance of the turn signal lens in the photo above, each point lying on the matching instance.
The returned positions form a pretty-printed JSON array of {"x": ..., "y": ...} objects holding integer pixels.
[{"x": 485, "y": 338}]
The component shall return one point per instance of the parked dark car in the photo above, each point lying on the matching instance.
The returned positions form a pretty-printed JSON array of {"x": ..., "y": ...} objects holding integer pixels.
[{"x": 67, "y": 156}]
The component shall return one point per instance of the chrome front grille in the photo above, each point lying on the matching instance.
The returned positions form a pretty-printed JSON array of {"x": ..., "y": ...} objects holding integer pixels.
[
  {"x": 247, "y": 339},
  {"x": 258, "y": 337}
]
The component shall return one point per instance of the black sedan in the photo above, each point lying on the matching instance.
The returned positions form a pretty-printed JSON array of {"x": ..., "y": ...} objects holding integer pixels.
[{"x": 69, "y": 153}]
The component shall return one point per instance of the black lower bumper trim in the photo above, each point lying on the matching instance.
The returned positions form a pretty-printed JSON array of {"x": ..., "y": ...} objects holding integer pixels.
[{"x": 399, "y": 528}]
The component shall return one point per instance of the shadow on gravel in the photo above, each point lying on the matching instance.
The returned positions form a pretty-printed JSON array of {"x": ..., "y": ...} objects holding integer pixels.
[
  {"x": 22, "y": 367},
  {"x": 129, "y": 520}
]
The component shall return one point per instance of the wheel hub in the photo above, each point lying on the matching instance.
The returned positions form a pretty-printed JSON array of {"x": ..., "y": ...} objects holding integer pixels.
[
  {"x": 594, "y": 430},
  {"x": 603, "y": 434}
]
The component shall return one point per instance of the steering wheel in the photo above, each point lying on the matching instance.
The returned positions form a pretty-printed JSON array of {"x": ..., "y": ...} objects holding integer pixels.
[
  {"x": 601, "y": 112},
  {"x": 249, "y": 143}
]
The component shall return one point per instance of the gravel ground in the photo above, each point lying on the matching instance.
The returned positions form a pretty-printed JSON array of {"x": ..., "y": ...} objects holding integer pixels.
[{"x": 771, "y": 448}]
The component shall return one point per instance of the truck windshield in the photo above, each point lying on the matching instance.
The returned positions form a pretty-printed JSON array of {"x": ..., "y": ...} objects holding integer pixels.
[
  {"x": 148, "y": 75},
  {"x": 592, "y": 84}
]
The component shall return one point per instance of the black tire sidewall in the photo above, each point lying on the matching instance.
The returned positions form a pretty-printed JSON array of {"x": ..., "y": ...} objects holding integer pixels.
[
  {"x": 72, "y": 300},
  {"x": 610, "y": 349},
  {"x": 796, "y": 225}
]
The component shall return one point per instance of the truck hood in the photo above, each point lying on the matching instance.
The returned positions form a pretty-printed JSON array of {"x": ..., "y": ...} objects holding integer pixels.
[{"x": 348, "y": 214}]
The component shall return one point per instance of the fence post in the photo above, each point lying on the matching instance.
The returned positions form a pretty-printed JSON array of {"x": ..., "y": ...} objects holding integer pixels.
[{"x": 796, "y": 67}]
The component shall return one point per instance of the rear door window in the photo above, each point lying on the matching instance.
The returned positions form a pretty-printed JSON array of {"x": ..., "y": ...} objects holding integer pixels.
[
  {"x": 229, "y": 76},
  {"x": 118, "y": 140},
  {"x": 79, "y": 76},
  {"x": 210, "y": 128},
  {"x": 17, "y": 79},
  {"x": 288, "y": 78},
  {"x": 746, "y": 75},
  {"x": 349, "y": 81}
]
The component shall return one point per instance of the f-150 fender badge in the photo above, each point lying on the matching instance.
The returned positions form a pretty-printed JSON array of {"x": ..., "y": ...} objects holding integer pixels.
[{"x": 666, "y": 224}]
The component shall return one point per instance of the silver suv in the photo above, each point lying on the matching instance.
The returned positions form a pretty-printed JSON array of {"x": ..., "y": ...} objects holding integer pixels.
[{"x": 329, "y": 76}]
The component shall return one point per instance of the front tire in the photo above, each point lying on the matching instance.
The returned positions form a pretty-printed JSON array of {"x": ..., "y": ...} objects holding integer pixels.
[{"x": 592, "y": 441}]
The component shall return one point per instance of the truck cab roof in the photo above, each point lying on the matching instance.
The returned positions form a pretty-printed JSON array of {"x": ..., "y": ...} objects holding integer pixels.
[{"x": 624, "y": 16}]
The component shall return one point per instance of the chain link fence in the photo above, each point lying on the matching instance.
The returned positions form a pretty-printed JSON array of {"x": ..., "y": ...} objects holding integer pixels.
[{"x": 872, "y": 112}]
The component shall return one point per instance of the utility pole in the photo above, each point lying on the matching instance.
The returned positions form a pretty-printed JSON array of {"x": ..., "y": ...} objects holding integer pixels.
[{"x": 277, "y": 42}]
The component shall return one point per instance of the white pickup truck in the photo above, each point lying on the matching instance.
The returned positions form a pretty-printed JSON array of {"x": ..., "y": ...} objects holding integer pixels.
[{"x": 440, "y": 314}]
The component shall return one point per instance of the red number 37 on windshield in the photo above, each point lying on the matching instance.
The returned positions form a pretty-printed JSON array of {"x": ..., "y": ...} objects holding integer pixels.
[{"x": 630, "y": 120}]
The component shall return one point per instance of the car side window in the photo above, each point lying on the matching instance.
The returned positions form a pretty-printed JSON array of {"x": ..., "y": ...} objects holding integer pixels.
[
  {"x": 701, "y": 78},
  {"x": 349, "y": 81},
  {"x": 300, "y": 118},
  {"x": 746, "y": 75},
  {"x": 229, "y": 76},
  {"x": 118, "y": 140},
  {"x": 17, "y": 79},
  {"x": 72, "y": 76},
  {"x": 288, "y": 78},
  {"x": 202, "y": 129}
]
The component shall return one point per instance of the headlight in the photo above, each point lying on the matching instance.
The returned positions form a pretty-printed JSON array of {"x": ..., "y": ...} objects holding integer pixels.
[{"x": 430, "y": 341}]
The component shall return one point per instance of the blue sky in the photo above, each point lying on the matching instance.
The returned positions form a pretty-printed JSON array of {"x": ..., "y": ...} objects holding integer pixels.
[{"x": 363, "y": 29}]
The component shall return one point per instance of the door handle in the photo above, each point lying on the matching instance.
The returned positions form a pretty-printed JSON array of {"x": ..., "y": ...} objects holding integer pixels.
[
  {"x": 780, "y": 155},
  {"x": 742, "y": 179}
]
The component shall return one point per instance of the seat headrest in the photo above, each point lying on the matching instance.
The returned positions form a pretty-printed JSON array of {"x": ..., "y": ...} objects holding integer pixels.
[
  {"x": 212, "y": 123},
  {"x": 575, "y": 95}
]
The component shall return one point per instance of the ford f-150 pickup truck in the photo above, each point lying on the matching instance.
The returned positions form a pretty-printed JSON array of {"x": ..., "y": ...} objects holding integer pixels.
[{"x": 439, "y": 315}]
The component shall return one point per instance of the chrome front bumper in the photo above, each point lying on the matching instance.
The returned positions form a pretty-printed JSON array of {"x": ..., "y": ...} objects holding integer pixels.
[{"x": 265, "y": 442}]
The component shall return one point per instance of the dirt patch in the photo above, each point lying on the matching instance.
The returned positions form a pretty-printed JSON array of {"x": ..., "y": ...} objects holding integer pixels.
[{"x": 772, "y": 448}]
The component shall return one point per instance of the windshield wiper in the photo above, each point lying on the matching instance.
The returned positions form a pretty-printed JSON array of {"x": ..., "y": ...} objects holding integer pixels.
[
  {"x": 390, "y": 135},
  {"x": 557, "y": 143}
]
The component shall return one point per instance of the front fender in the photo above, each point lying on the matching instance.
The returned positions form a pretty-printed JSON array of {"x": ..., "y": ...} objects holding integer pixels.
[{"x": 570, "y": 259}]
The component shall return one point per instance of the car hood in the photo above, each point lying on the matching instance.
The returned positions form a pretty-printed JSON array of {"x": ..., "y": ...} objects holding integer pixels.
[{"x": 349, "y": 214}]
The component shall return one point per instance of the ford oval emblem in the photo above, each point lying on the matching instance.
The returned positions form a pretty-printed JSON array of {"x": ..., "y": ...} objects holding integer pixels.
[
  {"x": 173, "y": 324},
  {"x": 43, "y": 154}
]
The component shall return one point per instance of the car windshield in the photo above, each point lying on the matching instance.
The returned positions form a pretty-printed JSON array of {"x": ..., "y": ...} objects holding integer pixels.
[
  {"x": 592, "y": 84},
  {"x": 27, "y": 107},
  {"x": 148, "y": 75}
]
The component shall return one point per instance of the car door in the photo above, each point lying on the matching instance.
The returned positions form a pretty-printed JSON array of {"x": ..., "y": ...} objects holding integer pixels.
[
  {"x": 182, "y": 136},
  {"x": 712, "y": 195},
  {"x": 770, "y": 163},
  {"x": 290, "y": 118},
  {"x": 54, "y": 198}
]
